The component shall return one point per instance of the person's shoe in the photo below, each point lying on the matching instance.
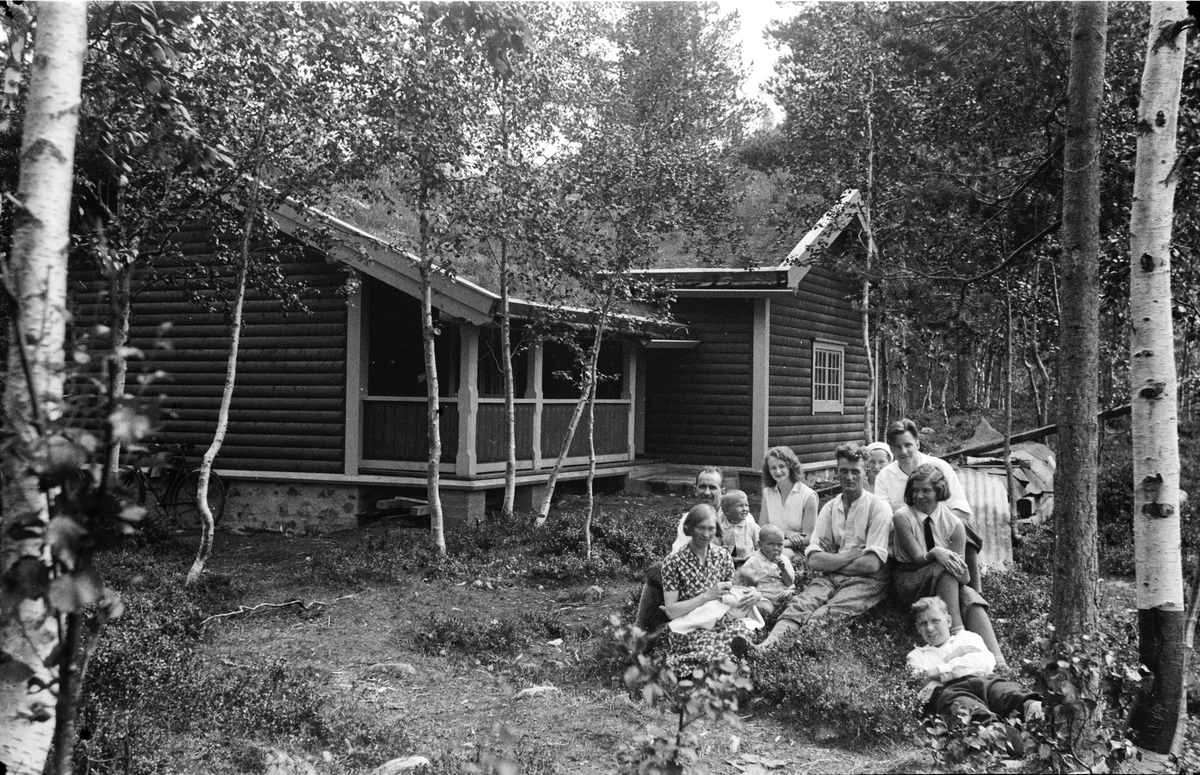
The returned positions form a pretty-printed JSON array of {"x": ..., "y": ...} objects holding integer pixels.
[
  {"x": 742, "y": 647},
  {"x": 1033, "y": 711}
]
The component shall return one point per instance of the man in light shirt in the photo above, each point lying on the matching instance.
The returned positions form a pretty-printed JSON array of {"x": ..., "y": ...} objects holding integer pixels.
[
  {"x": 848, "y": 552},
  {"x": 959, "y": 670}
]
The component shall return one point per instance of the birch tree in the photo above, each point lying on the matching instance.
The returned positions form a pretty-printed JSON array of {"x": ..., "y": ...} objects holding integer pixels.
[
  {"x": 44, "y": 591},
  {"x": 1154, "y": 389},
  {"x": 1076, "y": 567}
]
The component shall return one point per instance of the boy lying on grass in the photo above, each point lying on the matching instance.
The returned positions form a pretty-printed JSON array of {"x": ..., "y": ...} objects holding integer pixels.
[
  {"x": 769, "y": 570},
  {"x": 959, "y": 668}
]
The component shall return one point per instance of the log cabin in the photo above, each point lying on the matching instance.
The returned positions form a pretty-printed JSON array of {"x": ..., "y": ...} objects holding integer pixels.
[{"x": 329, "y": 411}]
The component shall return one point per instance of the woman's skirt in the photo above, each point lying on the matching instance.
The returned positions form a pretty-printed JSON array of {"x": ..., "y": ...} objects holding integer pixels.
[{"x": 913, "y": 582}]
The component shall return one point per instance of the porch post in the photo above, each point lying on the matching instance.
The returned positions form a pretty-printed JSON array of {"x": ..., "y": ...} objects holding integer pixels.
[
  {"x": 356, "y": 343},
  {"x": 760, "y": 374},
  {"x": 533, "y": 389},
  {"x": 468, "y": 399},
  {"x": 629, "y": 393},
  {"x": 639, "y": 402}
]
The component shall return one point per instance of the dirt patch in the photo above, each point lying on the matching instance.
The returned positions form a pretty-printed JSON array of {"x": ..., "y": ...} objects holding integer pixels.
[{"x": 408, "y": 654}]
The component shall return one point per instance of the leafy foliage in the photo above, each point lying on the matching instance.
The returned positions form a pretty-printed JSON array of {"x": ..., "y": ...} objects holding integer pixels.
[
  {"x": 626, "y": 540},
  {"x": 844, "y": 679},
  {"x": 150, "y": 681},
  {"x": 1088, "y": 686},
  {"x": 710, "y": 692}
]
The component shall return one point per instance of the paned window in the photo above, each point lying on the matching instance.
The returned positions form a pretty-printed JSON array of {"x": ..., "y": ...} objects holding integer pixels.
[{"x": 828, "y": 377}]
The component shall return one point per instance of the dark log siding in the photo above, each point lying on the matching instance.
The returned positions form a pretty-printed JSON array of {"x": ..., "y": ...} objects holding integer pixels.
[
  {"x": 821, "y": 309},
  {"x": 698, "y": 400},
  {"x": 288, "y": 409}
]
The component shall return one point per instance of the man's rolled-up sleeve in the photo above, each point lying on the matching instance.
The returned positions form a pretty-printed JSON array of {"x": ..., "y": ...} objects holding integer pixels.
[{"x": 879, "y": 530}]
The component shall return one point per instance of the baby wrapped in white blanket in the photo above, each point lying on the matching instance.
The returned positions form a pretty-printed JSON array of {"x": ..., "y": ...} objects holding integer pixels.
[{"x": 737, "y": 603}]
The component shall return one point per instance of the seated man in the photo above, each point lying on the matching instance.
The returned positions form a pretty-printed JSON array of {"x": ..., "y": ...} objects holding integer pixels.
[
  {"x": 959, "y": 670},
  {"x": 708, "y": 488},
  {"x": 769, "y": 571},
  {"x": 848, "y": 553}
]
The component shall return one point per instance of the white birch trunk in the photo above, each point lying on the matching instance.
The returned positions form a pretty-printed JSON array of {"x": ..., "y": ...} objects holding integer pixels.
[
  {"x": 1154, "y": 388},
  {"x": 510, "y": 404},
  {"x": 207, "y": 524},
  {"x": 437, "y": 530},
  {"x": 869, "y": 425},
  {"x": 580, "y": 406},
  {"x": 36, "y": 281}
]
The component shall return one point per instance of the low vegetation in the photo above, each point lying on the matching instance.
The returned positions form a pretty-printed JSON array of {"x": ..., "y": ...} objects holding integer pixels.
[{"x": 170, "y": 689}]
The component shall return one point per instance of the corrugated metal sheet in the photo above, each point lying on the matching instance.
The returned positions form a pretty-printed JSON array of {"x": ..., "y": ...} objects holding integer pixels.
[{"x": 989, "y": 501}]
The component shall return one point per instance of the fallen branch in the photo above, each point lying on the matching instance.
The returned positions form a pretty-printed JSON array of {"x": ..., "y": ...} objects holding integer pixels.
[{"x": 246, "y": 609}]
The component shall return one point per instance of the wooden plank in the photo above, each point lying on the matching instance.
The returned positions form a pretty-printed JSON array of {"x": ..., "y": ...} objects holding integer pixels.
[
  {"x": 235, "y": 462},
  {"x": 257, "y": 404},
  {"x": 298, "y": 392},
  {"x": 178, "y": 368},
  {"x": 249, "y": 432},
  {"x": 297, "y": 376},
  {"x": 202, "y": 440},
  {"x": 241, "y": 415},
  {"x": 251, "y": 328}
]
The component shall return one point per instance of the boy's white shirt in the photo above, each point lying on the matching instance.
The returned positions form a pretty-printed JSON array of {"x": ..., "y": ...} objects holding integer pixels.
[
  {"x": 770, "y": 571},
  {"x": 980, "y": 661}
]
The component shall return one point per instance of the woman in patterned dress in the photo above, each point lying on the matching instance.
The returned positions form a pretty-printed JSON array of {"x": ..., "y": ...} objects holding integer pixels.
[{"x": 700, "y": 572}]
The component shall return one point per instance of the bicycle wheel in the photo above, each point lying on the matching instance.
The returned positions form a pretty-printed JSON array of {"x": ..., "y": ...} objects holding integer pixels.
[
  {"x": 131, "y": 485},
  {"x": 181, "y": 500}
]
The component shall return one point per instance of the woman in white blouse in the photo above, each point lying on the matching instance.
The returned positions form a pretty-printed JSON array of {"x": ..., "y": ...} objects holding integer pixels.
[
  {"x": 787, "y": 502},
  {"x": 905, "y": 441}
]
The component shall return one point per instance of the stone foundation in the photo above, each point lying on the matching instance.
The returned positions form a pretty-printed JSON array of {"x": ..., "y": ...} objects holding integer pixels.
[{"x": 291, "y": 506}]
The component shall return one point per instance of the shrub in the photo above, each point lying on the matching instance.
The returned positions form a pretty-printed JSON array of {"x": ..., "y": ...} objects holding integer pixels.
[
  {"x": 148, "y": 683},
  {"x": 625, "y": 539},
  {"x": 846, "y": 676},
  {"x": 1019, "y": 602},
  {"x": 1093, "y": 679},
  {"x": 455, "y": 632}
]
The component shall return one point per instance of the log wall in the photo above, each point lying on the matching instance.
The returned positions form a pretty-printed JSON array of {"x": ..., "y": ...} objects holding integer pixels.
[
  {"x": 821, "y": 309},
  {"x": 698, "y": 400},
  {"x": 288, "y": 409}
]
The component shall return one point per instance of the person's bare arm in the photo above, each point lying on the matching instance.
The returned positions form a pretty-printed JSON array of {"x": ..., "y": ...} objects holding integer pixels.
[
  {"x": 866, "y": 565},
  {"x": 677, "y": 608},
  {"x": 795, "y": 540},
  {"x": 907, "y": 541},
  {"x": 808, "y": 518},
  {"x": 828, "y": 562},
  {"x": 954, "y": 560}
]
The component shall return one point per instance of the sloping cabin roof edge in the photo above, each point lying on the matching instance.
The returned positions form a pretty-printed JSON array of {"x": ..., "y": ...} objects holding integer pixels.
[
  {"x": 456, "y": 296},
  {"x": 764, "y": 281}
]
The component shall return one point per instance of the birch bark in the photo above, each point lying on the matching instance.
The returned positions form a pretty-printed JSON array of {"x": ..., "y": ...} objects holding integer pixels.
[
  {"x": 35, "y": 282},
  {"x": 1153, "y": 386}
]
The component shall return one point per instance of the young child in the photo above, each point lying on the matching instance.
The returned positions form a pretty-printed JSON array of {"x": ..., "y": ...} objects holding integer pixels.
[
  {"x": 739, "y": 531},
  {"x": 959, "y": 670},
  {"x": 768, "y": 570}
]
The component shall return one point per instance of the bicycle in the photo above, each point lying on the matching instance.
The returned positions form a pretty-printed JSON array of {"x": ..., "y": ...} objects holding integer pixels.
[{"x": 176, "y": 500}]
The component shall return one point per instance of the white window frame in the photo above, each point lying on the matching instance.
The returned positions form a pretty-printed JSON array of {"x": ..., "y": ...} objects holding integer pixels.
[{"x": 823, "y": 387}]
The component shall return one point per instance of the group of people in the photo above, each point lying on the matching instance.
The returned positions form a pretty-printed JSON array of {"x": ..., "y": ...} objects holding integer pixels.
[{"x": 901, "y": 523}]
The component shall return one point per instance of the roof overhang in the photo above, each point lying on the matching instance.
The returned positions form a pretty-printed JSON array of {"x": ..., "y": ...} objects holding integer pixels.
[
  {"x": 455, "y": 296},
  {"x": 760, "y": 282}
]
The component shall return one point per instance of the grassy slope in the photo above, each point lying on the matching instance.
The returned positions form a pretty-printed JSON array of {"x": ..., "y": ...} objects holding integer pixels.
[{"x": 323, "y": 682}]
